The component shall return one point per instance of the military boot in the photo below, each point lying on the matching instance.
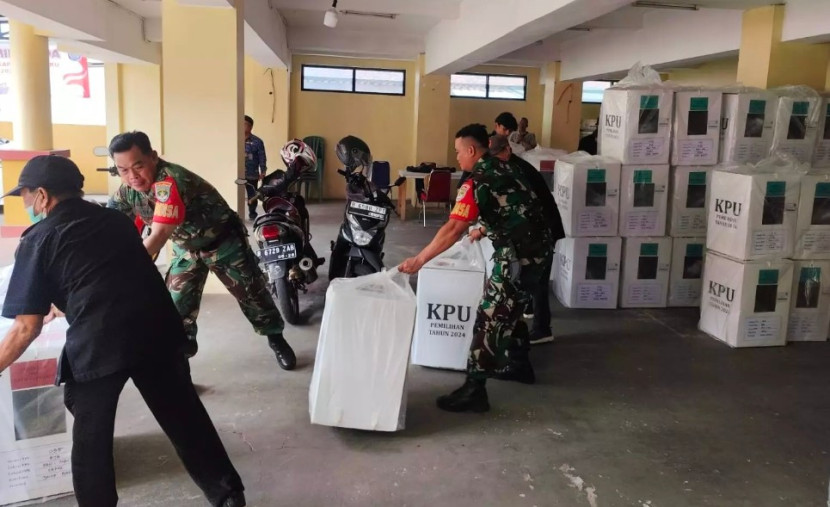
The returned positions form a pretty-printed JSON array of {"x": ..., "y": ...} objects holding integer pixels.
[
  {"x": 235, "y": 499},
  {"x": 285, "y": 355},
  {"x": 517, "y": 371},
  {"x": 471, "y": 397}
]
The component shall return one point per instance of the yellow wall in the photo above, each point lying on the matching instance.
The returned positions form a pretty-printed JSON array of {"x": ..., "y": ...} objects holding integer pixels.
[
  {"x": 79, "y": 140},
  {"x": 466, "y": 111},
  {"x": 717, "y": 73},
  {"x": 385, "y": 122},
  {"x": 266, "y": 101},
  {"x": 590, "y": 111}
]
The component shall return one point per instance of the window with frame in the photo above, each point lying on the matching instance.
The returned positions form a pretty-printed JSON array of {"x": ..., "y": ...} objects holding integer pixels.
[
  {"x": 321, "y": 78},
  {"x": 592, "y": 91},
  {"x": 488, "y": 86}
]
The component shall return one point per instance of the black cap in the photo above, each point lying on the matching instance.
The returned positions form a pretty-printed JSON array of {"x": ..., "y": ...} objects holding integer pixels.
[{"x": 52, "y": 172}]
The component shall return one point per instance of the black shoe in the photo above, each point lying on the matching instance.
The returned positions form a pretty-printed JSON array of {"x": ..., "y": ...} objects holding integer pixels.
[
  {"x": 285, "y": 355},
  {"x": 190, "y": 348},
  {"x": 235, "y": 499},
  {"x": 539, "y": 338},
  {"x": 517, "y": 371},
  {"x": 471, "y": 397}
]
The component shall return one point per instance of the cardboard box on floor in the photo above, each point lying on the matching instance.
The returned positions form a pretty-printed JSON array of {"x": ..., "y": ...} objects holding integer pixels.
[
  {"x": 688, "y": 197},
  {"x": 587, "y": 192},
  {"x": 643, "y": 200},
  {"x": 636, "y": 125},
  {"x": 646, "y": 265},
  {"x": 753, "y": 216},
  {"x": 587, "y": 272},
  {"x": 686, "y": 279},
  {"x": 810, "y": 302},
  {"x": 746, "y": 304},
  {"x": 696, "y": 132},
  {"x": 813, "y": 229},
  {"x": 450, "y": 287},
  {"x": 747, "y": 126}
]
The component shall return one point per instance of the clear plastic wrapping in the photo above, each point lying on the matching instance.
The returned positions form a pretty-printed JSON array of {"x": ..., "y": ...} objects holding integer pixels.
[
  {"x": 689, "y": 196},
  {"x": 697, "y": 121},
  {"x": 587, "y": 272},
  {"x": 646, "y": 266},
  {"x": 797, "y": 122},
  {"x": 643, "y": 200},
  {"x": 747, "y": 125},
  {"x": 810, "y": 302},
  {"x": 587, "y": 192}
]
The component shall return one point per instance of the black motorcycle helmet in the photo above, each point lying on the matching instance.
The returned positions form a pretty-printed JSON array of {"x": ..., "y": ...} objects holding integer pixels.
[{"x": 353, "y": 152}]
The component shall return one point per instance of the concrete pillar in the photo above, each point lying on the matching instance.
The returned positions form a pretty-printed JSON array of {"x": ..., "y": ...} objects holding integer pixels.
[
  {"x": 548, "y": 78},
  {"x": 432, "y": 115},
  {"x": 32, "y": 125},
  {"x": 765, "y": 61},
  {"x": 567, "y": 113},
  {"x": 203, "y": 92}
]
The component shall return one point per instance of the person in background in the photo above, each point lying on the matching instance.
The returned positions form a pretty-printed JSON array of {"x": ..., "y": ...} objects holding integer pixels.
[
  {"x": 539, "y": 309},
  {"x": 506, "y": 124},
  {"x": 521, "y": 239},
  {"x": 588, "y": 143},
  {"x": 522, "y": 137},
  {"x": 255, "y": 167},
  {"x": 207, "y": 235},
  {"x": 89, "y": 262}
]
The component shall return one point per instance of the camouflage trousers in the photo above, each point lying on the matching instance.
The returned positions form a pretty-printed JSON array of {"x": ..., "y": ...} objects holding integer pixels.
[
  {"x": 237, "y": 267},
  {"x": 500, "y": 333}
]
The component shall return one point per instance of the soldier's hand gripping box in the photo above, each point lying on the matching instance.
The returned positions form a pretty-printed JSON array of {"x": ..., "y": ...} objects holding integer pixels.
[
  {"x": 587, "y": 192},
  {"x": 753, "y": 216},
  {"x": 587, "y": 272},
  {"x": 643, "y": 200},
  {"x": 450, "y": 288},
  {"x": 635, "y": 127},
  {"x": 646, "y": 264},
  {"x": 696, "y": 132},
  {"x": 746, "y": 304}
]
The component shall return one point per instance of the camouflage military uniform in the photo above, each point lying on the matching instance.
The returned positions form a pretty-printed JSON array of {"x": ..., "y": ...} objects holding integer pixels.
[
  {"x": 210, "y": 237},
  {"x": 515, "y": 223}
]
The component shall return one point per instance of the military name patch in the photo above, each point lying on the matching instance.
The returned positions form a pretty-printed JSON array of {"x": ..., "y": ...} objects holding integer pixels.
[{"x": 162, "y": 190}]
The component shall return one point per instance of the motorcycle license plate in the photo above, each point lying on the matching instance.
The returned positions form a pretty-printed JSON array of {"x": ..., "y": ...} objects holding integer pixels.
[
  {"x": 368, "y": 210},
  {"x": 278, "y": 253}
]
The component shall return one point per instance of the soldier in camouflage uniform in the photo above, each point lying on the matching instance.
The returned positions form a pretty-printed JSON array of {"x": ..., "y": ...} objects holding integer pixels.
[
  {"x": 500, "y": 197},
  {"x": 207, "y": 235}
]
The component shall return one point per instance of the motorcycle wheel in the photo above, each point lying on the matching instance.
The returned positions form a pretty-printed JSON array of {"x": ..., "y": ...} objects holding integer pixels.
[{"x": 288, "y": 301}]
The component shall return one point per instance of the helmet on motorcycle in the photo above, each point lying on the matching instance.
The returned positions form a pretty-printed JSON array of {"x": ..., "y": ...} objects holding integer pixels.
[
  {"x": 299, "y": 154},
  {"x": 353, "y": 153}
]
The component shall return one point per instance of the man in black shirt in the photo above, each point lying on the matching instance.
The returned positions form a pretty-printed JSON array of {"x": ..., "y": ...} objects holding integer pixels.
[
  {"x": 500, "y": 148},
  {"x": 90, "y": 263}
]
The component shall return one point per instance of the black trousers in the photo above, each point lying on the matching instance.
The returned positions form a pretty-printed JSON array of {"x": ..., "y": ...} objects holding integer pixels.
[
  {"x": 169, "y": 393},
  {"x": 250, "y": 191},
  {"x": 541, "y": 302}
]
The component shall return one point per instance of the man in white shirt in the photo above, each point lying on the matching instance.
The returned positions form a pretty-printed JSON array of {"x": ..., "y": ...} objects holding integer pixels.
[{"x": 522, "y": 137}]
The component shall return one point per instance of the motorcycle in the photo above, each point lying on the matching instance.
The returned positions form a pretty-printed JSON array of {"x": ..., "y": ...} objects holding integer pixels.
[
  {"x": 284, "y": 241},
  {"x": 358, "y": 249}
]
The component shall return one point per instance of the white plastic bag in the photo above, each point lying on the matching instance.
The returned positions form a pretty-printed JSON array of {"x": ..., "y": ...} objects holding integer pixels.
[
  {"x": 35, "y": 427},
  {"x": 363, "y": 353}
]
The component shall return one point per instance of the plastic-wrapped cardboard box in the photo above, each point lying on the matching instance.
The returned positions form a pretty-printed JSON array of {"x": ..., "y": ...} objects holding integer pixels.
[
  {"x": 796, "y": 126},
  {"x": 636, "y": 125},
  {"x": 587, "y": 272},
  {"x": 696, "y": 133},
  {"x": 587, "y": 192},
  {"x": 686, "y": 280},
  {"x": 821, "y": 158},
  {"x": 688, "y": 197},
  {"x": 810, "y": 302},
  {"x": 643, "y": 200},
  {"x": 746, "y": 304},
  {"x": 363, "y": 353},
  {"x": 450, "y": 287},
  {"x": 813, "y": 231},
  {"x": 747, "y": 125},
  {"x": 753, "y": 216},
  {"x": 646, "y": 264}
]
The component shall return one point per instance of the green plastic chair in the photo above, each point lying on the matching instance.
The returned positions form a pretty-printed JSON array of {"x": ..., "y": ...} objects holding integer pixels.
[{"x": 318, "y": 144}]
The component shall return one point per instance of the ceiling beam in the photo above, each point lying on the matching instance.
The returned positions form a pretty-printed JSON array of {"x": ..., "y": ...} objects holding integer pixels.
[
  {"x": 356, "y": 43},
  {"x": 485, "y": 31},
  {"x": 443, "y": 9},
  {"x": 266, "y": 40},
  {"x": 806, "y": 21}
]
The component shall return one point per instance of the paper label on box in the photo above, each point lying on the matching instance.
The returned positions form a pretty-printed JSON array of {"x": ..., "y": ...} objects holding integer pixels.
[
  {"x": 800, "y": 151},
  {"x": 751, "y": 151},
  {"x": 644, "y": 294},
  {"x": 686, "y": 292},
  {"x": 805, "y": 326},
  {"x": 42, "y": 471},
  {"x": 822, "y": 151},
  {"x": 643, "y": 221},
  {"x": 695, "y": 150},
  {"x": 592, "y": 293},
  {"x": 646, "y": 149},
  {"x": 689, "y": 223},
  {"x": 762, "y": 328},
  {"x": 816, "y": 241},
  {"x": 769, "y": 242},
  {"x": 595, "y": 222}
]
